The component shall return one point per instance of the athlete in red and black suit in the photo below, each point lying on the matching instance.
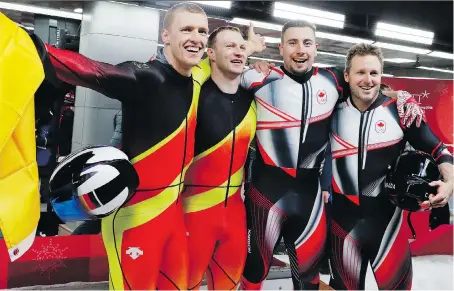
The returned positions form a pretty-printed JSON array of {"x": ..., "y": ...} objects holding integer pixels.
[
  {"x": 284, "y": 197},
  {"x": 214, "y": 209},
  {"x": 367, "y": 137},
  {"x": 146, "y": 239}
]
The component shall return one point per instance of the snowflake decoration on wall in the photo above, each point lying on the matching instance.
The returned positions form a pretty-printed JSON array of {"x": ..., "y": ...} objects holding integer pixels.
[
  {"x": 442, "y": 88},
  {"x": 50, "y": 258}
]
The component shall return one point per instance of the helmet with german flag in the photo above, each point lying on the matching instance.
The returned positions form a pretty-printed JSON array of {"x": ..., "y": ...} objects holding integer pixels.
[{"x": 92, "y": 183}]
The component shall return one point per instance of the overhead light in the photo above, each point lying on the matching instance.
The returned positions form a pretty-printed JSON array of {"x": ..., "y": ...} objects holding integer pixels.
[
  {"x": 343, "y": 38},
  {"x": 40, "y": 10},
  {"x": 260, "y": 24},
  {"x": 425, "y": 78},
  {"x": 318, "y": 34},
  {"x": 436, "y": 69},
  {"x": 406, "y": 30},
  {"x": 387, "y": 75},
  {"x": 312, "y": 15},
  {"x": 404, "y": 33},
  {"x": 272, "y": 39},
  {"x": 320, "y": 65},
  {"x": 441, "y": 55},
  {"x": 399, "y": 60},
  {"x": 402, "y": 48},
  {"x": 124, "y": 3},
  {"x": 331, "y": 54},
  {"x": 265, "y": 59},
  {"x": 221, "y": 4},
  {"x": 396, "y": 35},
  {"x": 78, "y": 10},
  {"x": 312, "y": 19}
]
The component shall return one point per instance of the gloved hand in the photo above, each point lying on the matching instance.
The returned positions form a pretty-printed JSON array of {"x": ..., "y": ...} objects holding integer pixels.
[{"x": 409, "y": 109}]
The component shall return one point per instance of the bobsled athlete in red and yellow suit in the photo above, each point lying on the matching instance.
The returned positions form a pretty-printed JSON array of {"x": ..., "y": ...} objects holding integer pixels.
[
  {"x": 215, "y": 216},
  {"x": 145, "y": 239},
  {"x": 21, "y": 73}
]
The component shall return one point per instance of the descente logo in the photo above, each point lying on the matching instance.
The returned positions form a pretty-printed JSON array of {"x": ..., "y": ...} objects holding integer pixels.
[
  {"x": 390, "y": 185},
  {"x": 249, "y": 241}
]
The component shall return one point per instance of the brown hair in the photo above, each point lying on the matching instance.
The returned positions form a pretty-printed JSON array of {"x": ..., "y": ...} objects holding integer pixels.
[
  {"x": 183, "y": 6},
  {"x": 296, "y": 23},
  {"x": 214, "y": 34},
  {"x": 363, "y": 49}
]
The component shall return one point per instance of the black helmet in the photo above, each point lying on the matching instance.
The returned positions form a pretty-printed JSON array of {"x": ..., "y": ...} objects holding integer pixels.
[
  {"x": 407, "y": 182},
  {"x": 92, "y": 183}
]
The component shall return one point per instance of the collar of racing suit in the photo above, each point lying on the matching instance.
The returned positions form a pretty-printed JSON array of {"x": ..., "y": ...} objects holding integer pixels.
[
  {"x": 160, "y": 57},
  {"x": 299, "y": 78},
  {"x": 200, "y": 73},
  {"x": 379, "y": 101}
]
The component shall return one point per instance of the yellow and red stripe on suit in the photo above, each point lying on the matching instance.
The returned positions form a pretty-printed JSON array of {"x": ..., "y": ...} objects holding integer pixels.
[
  {"x": 145, "y": 240},
  {"x": 21, "y": 73},
  {"x": 214, "y": 210}
]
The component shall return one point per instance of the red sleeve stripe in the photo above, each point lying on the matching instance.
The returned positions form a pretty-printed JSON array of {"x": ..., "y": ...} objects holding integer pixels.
[
  {"x": 389, "y": 102},
  {"x": 433, "y": 151}
]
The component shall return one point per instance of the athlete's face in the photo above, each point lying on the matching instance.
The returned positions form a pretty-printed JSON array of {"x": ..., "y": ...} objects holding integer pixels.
[
  {"x": 298, "y": 48},
  {"x": 229, "y": 52},
  {"x": 364, "y": 78},
  {"x": 187, "y": 37}
]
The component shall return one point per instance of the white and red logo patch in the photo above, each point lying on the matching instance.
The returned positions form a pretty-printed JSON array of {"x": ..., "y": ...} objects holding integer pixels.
[
  {"x": 322, "y": 97},
  {"x": 380, "y": 126}
]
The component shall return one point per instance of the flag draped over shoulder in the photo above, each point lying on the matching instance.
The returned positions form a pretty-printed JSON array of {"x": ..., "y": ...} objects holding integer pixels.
[{"x": 21, "y": 73}]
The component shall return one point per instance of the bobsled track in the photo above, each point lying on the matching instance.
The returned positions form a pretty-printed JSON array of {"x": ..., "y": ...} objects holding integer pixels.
[{"x": 429, "y": 273}]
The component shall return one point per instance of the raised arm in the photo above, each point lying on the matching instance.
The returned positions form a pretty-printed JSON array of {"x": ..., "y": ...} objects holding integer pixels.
[{"x": 114, "y": 81}]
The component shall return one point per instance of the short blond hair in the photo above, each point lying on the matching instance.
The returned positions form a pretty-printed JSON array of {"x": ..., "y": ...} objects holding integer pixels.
[
  {"x": 363, "y": 49},
  {"x": 183, "y": 6}
]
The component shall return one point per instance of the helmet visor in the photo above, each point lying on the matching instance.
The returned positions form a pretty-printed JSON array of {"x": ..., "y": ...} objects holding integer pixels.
[{"x": 70, "y": 209}]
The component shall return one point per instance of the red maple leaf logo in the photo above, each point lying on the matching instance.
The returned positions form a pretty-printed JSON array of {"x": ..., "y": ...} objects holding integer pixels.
[
  {"x": 321, "y": 94},
  {"x": 381, "y": 124}
]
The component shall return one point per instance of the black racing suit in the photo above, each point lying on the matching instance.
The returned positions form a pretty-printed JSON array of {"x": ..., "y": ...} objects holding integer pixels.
[{"x": 365, "y": 225}]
